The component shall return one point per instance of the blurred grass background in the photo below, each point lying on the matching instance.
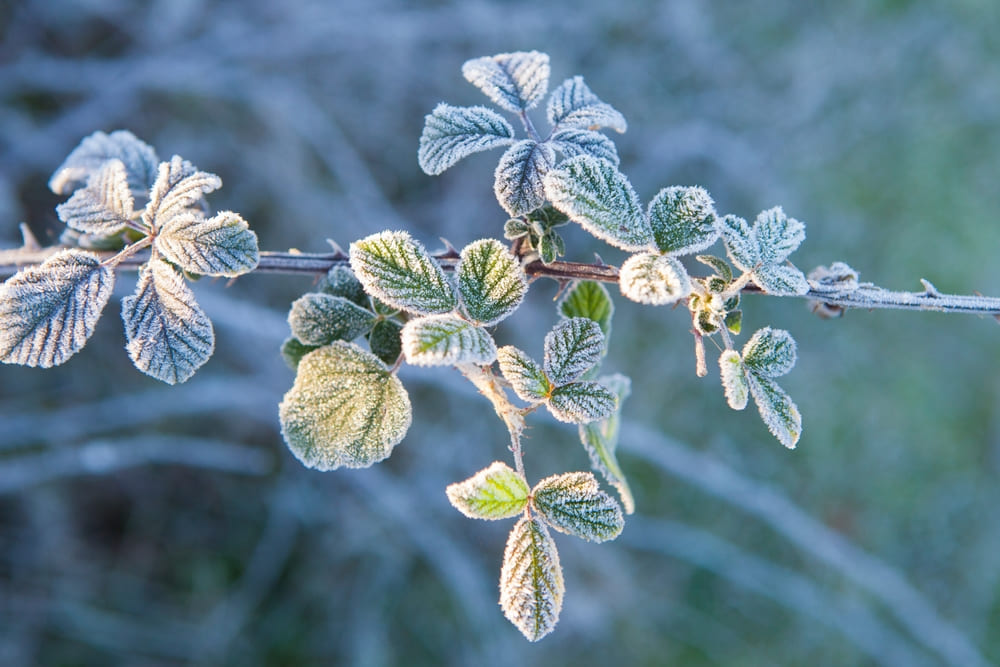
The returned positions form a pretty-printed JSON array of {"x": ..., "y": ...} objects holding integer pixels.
[{"x": 141, "y": 524}]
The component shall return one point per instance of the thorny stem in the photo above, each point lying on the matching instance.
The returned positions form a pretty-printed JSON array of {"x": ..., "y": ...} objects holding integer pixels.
[{"x": 512, "y": 417}]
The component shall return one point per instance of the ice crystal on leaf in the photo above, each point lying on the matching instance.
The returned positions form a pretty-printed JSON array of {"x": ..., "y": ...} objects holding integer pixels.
[
  {"x": 777, "y": 409},
  {"x": 385, "y": 341},
  {"x": 398, "y": 270},
  {"x": 525, "y": 376},
  {"x": 573, "y": 142},
  {"x": 491, "y": 282},
  {"x": 496, "y": 492},
  {"x": 518, "y": 178},
  {"x": 573, "y": 503},
  {"x": 734, "y": 379},
  {"x": 531, "y": 579},
  {"x": 98, "y": 149},
  {"x": 683, "y": 220},
  {"x": 340, "y": 281},
  {"x": 763, "y": 249},
  {"x": 179, "y": 190},
  {"x": 320, "y": 319},
  {"x": 572, "y": 347},
  {"x": 581, "y": 402},
  {"x": 574, "y": 105},
  {"x": 654, "y": 279},
  {"x": 452, "y": 133},
  {"x": 446, "y": 340},
  {"x": 104, "y": 207},
  {"x": 223, "y": 245},
  {"x": 514, "y": 81},
  {"x": 770, "y": 352}
]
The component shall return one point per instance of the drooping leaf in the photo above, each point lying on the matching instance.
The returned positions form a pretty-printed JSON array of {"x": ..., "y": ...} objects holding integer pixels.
[
  {"x": 340, "y": 281},
  {"x": 720, "y": 265},
  {"x": 594, "y": 194},
  {"x": 292, "y": 351},
  {"x": 395, "y": 268},
  {"x": 770, "y": 352},
  {"x": 573, "y": 142},
  {"x": 223, "y": 245},
  {"x": 105, "y": 206},
  {"x": 95, "y": 151},
  {"x": 581, "y": 402},
  {"x": 572, "y": 347},
  {"x": 531, "y": 579},
  {"x": 683, "y": 220},
  {"x": 574, "y": 503},
  {"x": 320, "y": 319},
  {"x": 781, "y": 280},
  {"x": 345, "y": 409},
  {"x": 590, "y": 299},
  {"x": 779, "y": 412},
  {"x": 654, "y": 279},
  {"x": 491, "y": 281},
  {"x": 452, "y": 133},
  {"x": 777, "y": 235},
  {"x": 514, "y": 81},
  {"x": 178, "y": 191},
  {"x": 525, "y": 376},
  {"x": 496, "y": 492},
  {"x": 518, "y": 177},
  {"x": 734, "y": 379},
  {"x": 167, "y": 334},
  {"x": 600, "y": 439},
  {"x": 50, "y": 310},
  {"x": 446, "y": 340},
  {"x": 574, "y": 105},
  {"x": 385, "y": 340}
]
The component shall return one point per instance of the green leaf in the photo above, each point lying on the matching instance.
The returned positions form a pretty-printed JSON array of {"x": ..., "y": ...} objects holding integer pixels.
[
  {"x": 168, "y": 336},
  {"x": 594, "y": 194},
  {"x": 514, "y": 81},
  {"x": 574, "y": 503},
  {"x": 779, "y": 412},
  {"x": 222, "y": 245},
  {"x": 518, "y": 177},
  {"x": 515, "y": 228},
  {"x": 452, "y": 133},
  {"x": 525, "y": 376},
  {"x": 496, "y": 492},
  {"x": 178, "y": 191},
  {"x": 292, "y": 351},
  {"x": 581, "y": 402},
  {"x": 395, "y": 268},
  {"x": 531, "y": 579},
  {"x": 781, "y": 280},
  {"x": 446, "y": 340},
  {"x": 590, "y": 299},
  {"x": 491, "y": 281},
  {"x": 550, "y": 246},
  {"x": 770, "y": 352},
  {"x": 320, "y": 319},
  {"x": 573, "y": 142},
  {"x": 720, "y": 265},
  {"x": 385, "y": 341},
  {"x": 572, "y": 347},
  {"x": 104, "y": 207},
  {"x": 345, "y": 409},
  {"x": 50, "y": 310},
  {"x": 600, "y": 439},
  {"x": 95, "y": 151},
  {"x": 734, "y": 321},
  {"x": 777, "y": 235},
  {"x": 574, "y": 105},
  {"x": 654, "y": 279},
  {"x": 683, "y": 220},
  {"x": 763, "y": 247},
  {"x": 734, "y": 379},
  {"x": 340, "y": 281}
]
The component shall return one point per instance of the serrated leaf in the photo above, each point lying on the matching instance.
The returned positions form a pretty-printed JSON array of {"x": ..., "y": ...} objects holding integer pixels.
[
  {"x": 777, "y": 235},
  {"x": 395, "y": 268},
  {"x": 531, "y": 579},
  {"x": 574, "y": 105},
  {"x": 95, "y": 151},
  {"x": 223, "y": 245},
  {"x": 178, "y": 191},
  {"x": 515, "y": 228},
  {"x": 741, "y": 242},
  {"x": 770, "y": 352},
  {"x": 734, "y": 379},
  {"x": 104, "y": 207},
  {"x": 518, "y": 177},
  {"x": 340, "y": 281},
  {"x": 446, "y": 340},
  {"x": 572, "y": 347},
  {"x": 292, "y": 351},
  {"x": 776, "y": 408},
  {"x": 720, "y": 266},
  {"x": 452, "y": 133},
  {"x": 683, "y": 220},
  {"x": 50, "y": 310},
  {"x": 167, "y": 334},
  {"x": 781, "y": 280},
  {"x": 525, "y": 376},
  {"x": 514, "y": 81},
  {"x": 496, "y": 492},
  {"x": 491, "y": 282},
  {"x": 345, "y": 409},
  {"x": 600, "y": 439},
  {"x": 594, "y": 194},
  {"x": 385, "y": 341},
  {"x": 581, "y": 402},
  {"x": 590, "y": 299},
  {"x": 574, "y": 503},
  {"x": 654, "y": 279},
  {"x": 320, "y": 319},
  {"x": 573, "y": 142}
]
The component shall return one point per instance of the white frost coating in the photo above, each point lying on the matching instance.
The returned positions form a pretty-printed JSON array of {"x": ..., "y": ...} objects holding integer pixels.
[
  {"x": 223, "y": 245},
  {"x": 496, "y": 492},
  {"x": 572, "y": 348},
  {"x": 573, "y": 503},
  {"x": 491, "y": 282},
  {"x": 778, "y": 236},
  {"x": 104, "y": 207},
  {"x": 770, "y": 352},
  {"x": 741, "y": 242},
  {"x": 446, "y": 340},
  {"x": 573, "y": 142},
  {"x": 95, "y": 151},
  {"x": 168, "y": 336},
  {"x": 531, "y": 579},
  {"x": 320, "y": 319},
  {"x": 178, "y": 190},
  {"x": 452, "y": 133},
  {"x": 525, "y": 376},
  {"x": 514, "y": 81},
  {"x": 763, "y": 249},
  {"x": 517, "y": 181},
  {"x": 654, "y": 279},
  {"x": 50, "y": 310},
  {"x": 397, "y": 270},
  {"x": 574, "y": 105},
  {"x": 777, "y": 410},
  {"x": 581, "y": 402},
  {"x": 781, "y": 280},
  {"x": 734, "y": 379},
  {"x": 683, "y": 220},
  {"x": 600, "y": 439}
]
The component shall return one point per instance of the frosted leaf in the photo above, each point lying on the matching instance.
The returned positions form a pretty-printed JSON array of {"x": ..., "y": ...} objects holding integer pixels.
[
  {"x": 491, "y": 282},
  {"x": 340, "y": 281},
  {"x": 593, "y": 193},
  {"x": 572, "y": 347},
  {"x": 385, "y": 341},
  {"x": 590, "y": 299},
  {"x": 50, "y": 310},
  {"x": 104, "y": 207},
  {"x": 167, "y": 334},
  {"x": 518, "y": 177},
  {"x": 781, "y": 280},
  {"x": 770, "y": 352},
  {"x": 496, "y": 492},
  {"x": 446, "y": 340},
  {"x": 178, "y": 190},
  {"x": 734, "y": 379},
  {"x": 573, "y": 503},
  {"x": 654, "y": 279},
  {"x": 292, "y": 351},
  {"x": 550, "y": 246},
  {"x": 776, "y": 408},
  {"x": 320, "y": 319},
  {"x": 777, "y": 235},
  {"x": 531, "y": 579},
  {"x": 514, "y": 81},
  {"x": 395, "y": 268},
  {"x": 683, "y": 220},
  {"x": 741, "y": 242},
  {"x": 222, "y": 245},
  {"x": 720, "y": 265},
  {"x": 600, "y": 439},
  {"x": 95, "y": 151},
  {"x": 345, "y": 409},
  {"x": 574, "y": 105},
  {"x": 525, "y": 376},
  {"x": 575, "y": 142},
  {"x": 452, "y": 133},
  {"x": 581, "y": 402}
]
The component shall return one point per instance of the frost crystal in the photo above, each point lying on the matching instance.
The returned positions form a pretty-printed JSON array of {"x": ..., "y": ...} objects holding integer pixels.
[
  {"x": 491, "y": 281},
  {"x": 223, "y": 245},
  {"x": 777, "y": 409},
  {"x": 734, "y": 379},
  {"x": 518, "y": 177},
  {"x": 514, "y": 81},
  {"x": 320, "y": 319},
  {"x": 104, "y": 207},
  {"x": 581, "y": 402},
  {"x": 764, "y": 247},
  {"x": 95, "y": 151},
  {"x": 531, "y": 579},
  {"x": 525, "y": 376},
  {"x": 770, "y": 352},
  {"x": 654, "y": 279},
  {"x": 452, "y": 133},
  {"x": 572, "y": 347},
  {"x": 683, "y": 220},
  {"x": 446, "y": 340},
  {"x": 573, "y": 503},
  {"x": 573, "y": 105},
  {"x": 573, "y": 142},
  {"x": 396, "y": 269},
  {"x": 496, "y": 492},
  {"x": 178, "y": 190}
]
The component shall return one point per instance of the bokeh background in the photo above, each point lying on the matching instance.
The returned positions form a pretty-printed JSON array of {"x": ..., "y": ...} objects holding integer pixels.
[{"x": 147, "y": 525}]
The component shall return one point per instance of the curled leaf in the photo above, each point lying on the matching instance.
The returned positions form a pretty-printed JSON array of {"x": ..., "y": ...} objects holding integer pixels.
[
  {"x": 139, "y": 159},
  {"x": 531, "y": 579},
  {"x": 398, "y": 270},
  {"x": 514, "y": 81},
  {"x": 446, "y": 340},
  {"x": 574, "y": 503},
  {"x": 654, "y": 279},
  {"x": 496, "y": 492},
  {"x": 452, "y": 133}
]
